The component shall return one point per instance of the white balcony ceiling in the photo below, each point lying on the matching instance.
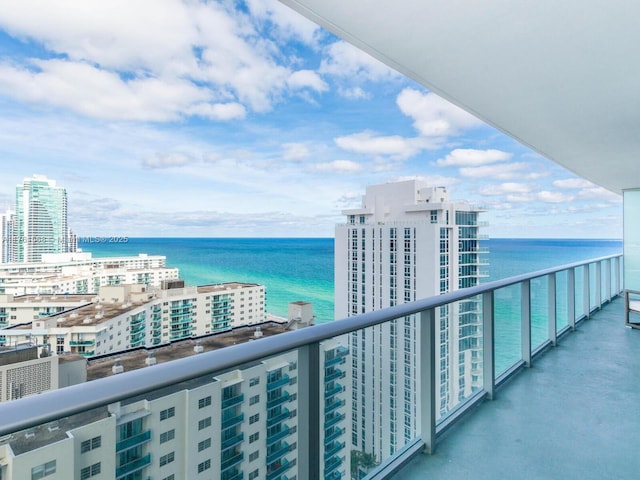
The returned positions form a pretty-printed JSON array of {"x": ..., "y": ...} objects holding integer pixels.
[{"x": 560, "y": 77}]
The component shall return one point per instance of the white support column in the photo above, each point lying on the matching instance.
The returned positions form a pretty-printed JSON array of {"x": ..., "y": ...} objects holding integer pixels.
[
  {"x": 428, "y": 380},
  {"x": 309, "y": 423},
  {"x": 488, "y": 344}
]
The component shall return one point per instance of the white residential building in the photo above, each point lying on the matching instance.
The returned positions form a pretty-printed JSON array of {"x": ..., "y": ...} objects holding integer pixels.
[
  {"x": 122, "y": 317},
  {"x": 408, "y": 241},
  {"x": 79, "y": 272},
  {"x": 237, "y": 424}
]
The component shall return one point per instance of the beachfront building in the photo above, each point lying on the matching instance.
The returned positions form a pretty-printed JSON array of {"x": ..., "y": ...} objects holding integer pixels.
[
  {"x": 7, "y": 226},
  {"x": 238, "y": 424},
  {"x": 407, "y": 241},
  {"x": 122, "y": 317},
  {"x": 80, "y": 273},
  {"x": 40, "y": 220}
]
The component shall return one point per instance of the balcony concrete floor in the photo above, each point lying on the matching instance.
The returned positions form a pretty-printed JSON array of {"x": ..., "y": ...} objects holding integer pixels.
[{"x": 574, "y": 415}]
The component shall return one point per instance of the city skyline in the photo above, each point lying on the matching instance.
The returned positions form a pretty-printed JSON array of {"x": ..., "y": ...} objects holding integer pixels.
[{"x": 247, "y": 120}]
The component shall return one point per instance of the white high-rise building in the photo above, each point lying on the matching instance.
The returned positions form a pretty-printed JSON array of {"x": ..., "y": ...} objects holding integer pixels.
[
  {"x": 7, "y": 226},
  {"x": 41, "y": 220},
  {"x": 408, "y": 241}
]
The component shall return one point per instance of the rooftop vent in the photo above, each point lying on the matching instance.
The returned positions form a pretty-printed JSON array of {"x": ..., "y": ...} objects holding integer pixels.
[
  {"x": 150, "y": 360},
  {"x": 117, "y": 367},
  {"x": 198, "y": 348}
]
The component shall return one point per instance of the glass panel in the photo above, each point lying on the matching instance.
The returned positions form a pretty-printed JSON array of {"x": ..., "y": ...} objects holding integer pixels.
[
  {"x": 631, "y": 247},
  {"x": 459, "y": 354},
  {"x": 507, "y": 306},
  {"x": 539, "y": 311},
  {"x": 562, "y": 301}
]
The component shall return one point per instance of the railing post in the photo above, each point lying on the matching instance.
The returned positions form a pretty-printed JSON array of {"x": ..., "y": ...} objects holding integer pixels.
[
  {"x": 618, "y": 289},
  {"x": 571, "y": 298},
  {"x": 599, "y": 299},
  {"x": 553, "y": 320},
  {"x": 488, "y": 344},
  {"x": 428, "y": 379},
  {"x": 525, "y": 302},
  {"x": 586, "y": 300},
  {"x": 608, "y": 278},
  {"x": 309, "y": 411}
]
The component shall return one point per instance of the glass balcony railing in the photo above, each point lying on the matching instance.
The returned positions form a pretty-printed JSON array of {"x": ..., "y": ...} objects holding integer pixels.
[
  {"x": 458, "y": 347},
  {"x": 134, "y": 441}
]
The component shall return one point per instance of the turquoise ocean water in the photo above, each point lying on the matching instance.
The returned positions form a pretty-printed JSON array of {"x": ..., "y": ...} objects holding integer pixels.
[{"x": 295, "y": 269}]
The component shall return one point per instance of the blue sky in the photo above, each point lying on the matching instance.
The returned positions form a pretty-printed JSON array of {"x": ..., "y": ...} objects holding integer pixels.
[{"x": 227, "y": 118}]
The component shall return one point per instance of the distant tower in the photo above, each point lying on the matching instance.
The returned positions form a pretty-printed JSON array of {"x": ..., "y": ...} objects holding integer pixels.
[
  {"x": 41, "y": 219},
  {"x": 406, "y": 242},
  {"x": 7, "y": 226}
]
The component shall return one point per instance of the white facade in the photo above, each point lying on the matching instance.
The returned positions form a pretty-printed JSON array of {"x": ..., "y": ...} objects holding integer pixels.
[
  {"x": 131, "y": 316},
  {"x": 240, "y": 424},
  {"x": 78, "y": 273},
  {"x": 25, "y": 373},
  {"x": 408, "y": 241}
]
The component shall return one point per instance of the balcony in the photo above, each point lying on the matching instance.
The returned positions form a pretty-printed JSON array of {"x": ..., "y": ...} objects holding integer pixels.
[
  {"x": 133, "y": 466},
  {"x": 232, "y": 401},
  {"x": 572, "y": 414},
  {"x": 82, "y": 343},
  {"x": 271, "y": 439},
  {"x": 274, "y": 402},
  {"x": 230, "y": 442},
  {"x": 286, "y": 414},
  {"x": 233, "y": 460},
  {"x": 134, "y": 441},
  {"x": 280, "y": 382}
]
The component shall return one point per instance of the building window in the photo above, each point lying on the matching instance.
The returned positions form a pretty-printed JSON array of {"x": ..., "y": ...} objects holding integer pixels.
[
  {"x": 254, "y": 437},
  {"x": 206, "y": 465},
  {"x": 255, "y": 399},
  {"x": 254, "y": 418},
  {"x": 43, "y": 470},
  {"x": 168, "y": 458},
  {"x": 168, "y": 435},
  {"x": 204, "y": 402},
  {"x": 91, "y": 444},
  {"x": 253, "y": 475},
  {"x": 254, "y": 455},
  {"x": 203, "y": 445},
  {"x": 91, "y": 471},
  {"x": 204, "y": 423},
  {"x": 168, "y": 413},
  {"x": 170, "y": 477},
  {"x": 254, "y": 381}
]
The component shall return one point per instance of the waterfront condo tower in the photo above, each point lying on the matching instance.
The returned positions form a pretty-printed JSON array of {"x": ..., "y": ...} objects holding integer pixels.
[
  {"x": 40, "y": 221},
  {"x": 407, "y": 241}
]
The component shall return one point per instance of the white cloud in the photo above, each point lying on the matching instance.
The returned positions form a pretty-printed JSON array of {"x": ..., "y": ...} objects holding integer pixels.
[
  {"x": 502, "y": 171},
  {"x": 506, "y": 188},
  {"x": 346, "y": 61},
  {"x": 295, "y": 151},
  {"x": 433, "y": 180},
  {"x": 433, "y": 116},
  {"x": 598, "y": 193},
  {"x": 354, "y": 93},
  {"x": 289, "y": 23},
  {"x": 553, "y": 197},
  {"x": 338, "y": 166},
  {"x": 188, "y": 53},
  {"x": 307, "y": 79},
  {"x": 572, "y": 183},
  {"x": 219, "y": 111},
  {"x": 167, "y": 160},
  {"x": 369, "y": 143},
  {"x": 465, "y": 157}
]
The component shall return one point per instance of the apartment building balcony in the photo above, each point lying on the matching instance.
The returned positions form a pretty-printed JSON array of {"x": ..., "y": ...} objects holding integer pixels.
[
  {"x": 133, "y": 441},
  {"x": 232, "y": 401},
  {"x": 283, "y": 398},
  {"x": 230, "y": 442},
  {"x": 133, "y": 466},
  {"x": 233, "y": 460},
  {"x": 279, "y": 382},
  {"x": 82, "y": 343},
  {"x": 551, "y": 393}
]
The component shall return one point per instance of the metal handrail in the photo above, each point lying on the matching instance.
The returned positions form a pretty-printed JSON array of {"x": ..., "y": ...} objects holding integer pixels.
[{"x": 51, "y": 405}]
